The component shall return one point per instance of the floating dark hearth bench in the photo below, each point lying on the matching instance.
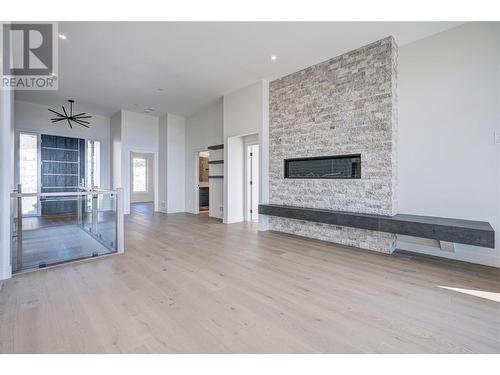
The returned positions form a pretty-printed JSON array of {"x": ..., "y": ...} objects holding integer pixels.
[{"x": 478, "y": 233}]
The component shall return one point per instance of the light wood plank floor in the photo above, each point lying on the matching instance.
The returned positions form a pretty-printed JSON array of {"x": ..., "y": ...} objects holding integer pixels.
[{"x": 189, "y": 284}]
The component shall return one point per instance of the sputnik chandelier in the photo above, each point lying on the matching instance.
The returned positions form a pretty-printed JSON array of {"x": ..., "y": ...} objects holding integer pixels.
[{"x": 71, "y": 118}]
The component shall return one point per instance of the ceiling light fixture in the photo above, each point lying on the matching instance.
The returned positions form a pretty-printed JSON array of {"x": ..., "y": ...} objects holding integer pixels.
[
  {"x": 274, "y": 57},
  {"x": 76, "y": 118},
  {"x": 63, "y": 37}
]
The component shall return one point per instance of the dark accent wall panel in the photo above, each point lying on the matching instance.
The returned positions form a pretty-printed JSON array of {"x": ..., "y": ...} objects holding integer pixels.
[{"x": 63, "y": 165}]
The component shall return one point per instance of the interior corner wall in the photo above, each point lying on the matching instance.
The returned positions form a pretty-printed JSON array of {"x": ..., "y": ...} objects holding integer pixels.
[
  {"x": 449, "y": 110},
  {"x": 245, "y": 113},
  {"x": 234, "y": 177},
  {"x": 176, "y": 163},
  {"x": 139, "y": 133},
  {"x": 116, "y": 150},
  {"x": 6, "y": 178},
  {"x": 203, "y": 128},
  {"x": 264, "y": 156},
  {"x": 162, "y": 162}
]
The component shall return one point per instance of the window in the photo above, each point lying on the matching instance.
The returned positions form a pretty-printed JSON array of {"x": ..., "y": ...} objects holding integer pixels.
[
  {"x": 28, "y": 171},
  {"x": 139, "y": 175},
  {"x": 93, "y": 168}
]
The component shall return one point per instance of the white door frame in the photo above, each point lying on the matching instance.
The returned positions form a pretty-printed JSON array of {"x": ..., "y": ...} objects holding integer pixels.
[
  {"x": 128, "y": 180},
  {"x": 17, "y": 164},
  {"x": 196, "y": 188},
  {"x": 247, "y": 196},
  {"x": 150, "y": 178}
]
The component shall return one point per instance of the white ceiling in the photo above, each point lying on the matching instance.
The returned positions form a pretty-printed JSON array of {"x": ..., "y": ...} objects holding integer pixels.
[{"x": 106, "y": 66}]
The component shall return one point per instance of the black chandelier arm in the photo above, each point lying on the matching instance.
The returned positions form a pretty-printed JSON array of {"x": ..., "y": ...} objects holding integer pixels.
[
  {"x": 57, "y": 119},
  {"x": 81, "y": 123},
  {"x": 80, "y": 120},
  {"x": 57, "y": 113}
]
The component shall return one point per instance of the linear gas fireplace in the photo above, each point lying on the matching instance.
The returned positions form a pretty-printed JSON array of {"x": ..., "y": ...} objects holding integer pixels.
[{"x": 342, "y": 166}]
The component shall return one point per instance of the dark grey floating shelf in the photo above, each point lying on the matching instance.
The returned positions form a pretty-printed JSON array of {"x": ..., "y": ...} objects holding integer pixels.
[
  {"x": 216, "y": 162},
  {"x": 478, "y": 233},
  {"x": 216, "y": 147},
  {"x": 215, "y": 176}
]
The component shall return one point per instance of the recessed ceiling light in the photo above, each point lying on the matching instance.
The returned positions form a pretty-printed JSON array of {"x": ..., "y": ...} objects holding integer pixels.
[
  {"x": 63, "y": 37},
  {"x": 160, "y": 89},
  {"x": 274, "y": 57}
]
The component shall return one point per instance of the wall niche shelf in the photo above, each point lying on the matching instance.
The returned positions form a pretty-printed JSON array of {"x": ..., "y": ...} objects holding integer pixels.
[
  {"x": 216, "y": 161},
  {"x": 215, "y": 176}
]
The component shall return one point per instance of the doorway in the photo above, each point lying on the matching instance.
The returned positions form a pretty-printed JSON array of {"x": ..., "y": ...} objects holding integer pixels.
[
  {"x": 142, "y": 178},
  {"x": 252, "y": 182},
  {"x": 203, "y": 185}
]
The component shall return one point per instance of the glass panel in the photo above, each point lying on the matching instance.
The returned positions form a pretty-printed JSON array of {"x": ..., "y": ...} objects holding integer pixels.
[
  {"x": 106, "y": 220},
  {"x": 41, "y": 241},
  {"x": 139, "y": 175},
  {"x": 28, "y": 171}
]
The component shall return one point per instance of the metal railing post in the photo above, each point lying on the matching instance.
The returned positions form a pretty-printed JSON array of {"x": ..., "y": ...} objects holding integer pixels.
[
  {"x": 79, "y": 217},
  {"x": 94, "y": 213},
  {"x": 120, "y": 235},
  {"x": 19, "y": 255}
]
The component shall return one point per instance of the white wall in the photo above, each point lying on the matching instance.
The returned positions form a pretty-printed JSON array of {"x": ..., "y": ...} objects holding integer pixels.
[
  {"x": 139, "y": 133},
  {"x": 233, "y": 181},
  {"x": 449, "y": 109},
  {"x": 116, "y": 150},
  {"x": 35, "y": 118},
  {"x": 246, "y": 112},
  {"x": 176, "y": 163},
  {"x": 162, "y": 162},
  {"x": 203, "y": 129}
]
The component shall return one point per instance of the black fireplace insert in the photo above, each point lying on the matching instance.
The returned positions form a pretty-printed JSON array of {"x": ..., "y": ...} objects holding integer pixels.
[{"x": 324, "y": 167}]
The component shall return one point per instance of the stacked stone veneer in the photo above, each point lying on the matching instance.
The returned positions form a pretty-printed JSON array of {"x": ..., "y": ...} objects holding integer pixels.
[{"x": 346, "y": 105}]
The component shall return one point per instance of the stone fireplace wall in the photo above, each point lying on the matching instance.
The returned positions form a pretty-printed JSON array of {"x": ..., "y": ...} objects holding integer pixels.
[{"x": 346, "y": 105}]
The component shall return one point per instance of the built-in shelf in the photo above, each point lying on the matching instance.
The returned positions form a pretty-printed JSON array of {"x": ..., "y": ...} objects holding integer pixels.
[
  {"x": 215, "y": 176},
  {"x": 216, "y": 147},
  {"x": 216, "y": 162},
  {"x": 478, "y": 233}
]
